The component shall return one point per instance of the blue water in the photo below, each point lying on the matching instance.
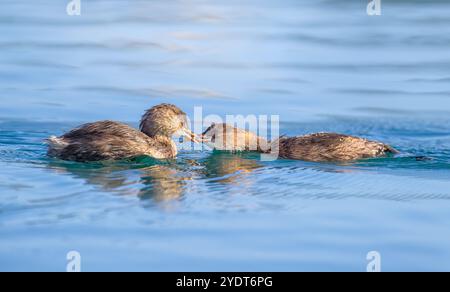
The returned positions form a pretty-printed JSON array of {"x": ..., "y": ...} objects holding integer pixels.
[{"x": 320, "y": 65}]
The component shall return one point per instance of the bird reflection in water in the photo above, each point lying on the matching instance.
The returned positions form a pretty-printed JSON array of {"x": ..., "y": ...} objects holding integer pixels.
[
  {"x": 150, "y": 181},
  {"x": 159, "y": 182},
  {"x": 229, "y": 168}
]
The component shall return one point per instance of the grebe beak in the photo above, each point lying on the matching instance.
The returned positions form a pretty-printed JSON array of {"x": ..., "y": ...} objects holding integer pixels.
[
  {"x": 206, "y": 139},
  {"x": 191, "y": 136}
]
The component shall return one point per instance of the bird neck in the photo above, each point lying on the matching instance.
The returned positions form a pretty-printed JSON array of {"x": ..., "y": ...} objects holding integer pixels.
[{"x": 166, "y": 143}]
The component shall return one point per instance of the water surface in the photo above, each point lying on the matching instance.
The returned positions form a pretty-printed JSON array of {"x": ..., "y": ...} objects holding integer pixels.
[{"x": 320, "y": 65}]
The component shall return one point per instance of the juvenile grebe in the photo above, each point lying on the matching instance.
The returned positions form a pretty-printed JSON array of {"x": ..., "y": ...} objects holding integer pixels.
[
  {"x": 317, "y": 147},
  {"x": 225, "y": 137},
  {"x": 330, "y": 147},
  {"x": 108, "y": 140}
]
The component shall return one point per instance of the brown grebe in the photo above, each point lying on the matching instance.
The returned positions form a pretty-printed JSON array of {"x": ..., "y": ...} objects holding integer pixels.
[
  {"x": 317, "y": 147},
  {"x": 109, "y": 140}
]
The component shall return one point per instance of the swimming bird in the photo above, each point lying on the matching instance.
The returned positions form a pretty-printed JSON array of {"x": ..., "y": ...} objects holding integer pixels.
[
  {"x": 318, "y": 147},
  {"x": 330, "y": 147},
  {"x": 225, "y": 137},
  {"x": 109, "y": 140}
]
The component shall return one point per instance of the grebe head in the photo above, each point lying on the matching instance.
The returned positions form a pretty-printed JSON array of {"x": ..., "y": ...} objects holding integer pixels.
[
  {"x": 166, "y": 120},
  {"x": 215, "y": 131},
  {"x": 229, "y": 138}
]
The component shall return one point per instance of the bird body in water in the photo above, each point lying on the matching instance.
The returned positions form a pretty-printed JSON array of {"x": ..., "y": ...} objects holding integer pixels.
[
  {"x": 225, "y": 137},
  {"x": 319, "y": 147},
  {"x": 109, "y": 140},
  {"x": 330, "y": 147}
]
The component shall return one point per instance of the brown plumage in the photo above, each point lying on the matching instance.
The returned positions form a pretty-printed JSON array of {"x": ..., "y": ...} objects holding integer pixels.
[
  {"x": 108, "y": 140},
  {"x": 330, "y": 147},
  {"x": 228, "y": 138},
  {"x": 314, "y": 147}
]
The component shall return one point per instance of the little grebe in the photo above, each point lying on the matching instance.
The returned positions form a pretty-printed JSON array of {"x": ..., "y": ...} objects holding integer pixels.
[
  {"x": 317, "y": 147},
  {"x": 108, "y": 140}
]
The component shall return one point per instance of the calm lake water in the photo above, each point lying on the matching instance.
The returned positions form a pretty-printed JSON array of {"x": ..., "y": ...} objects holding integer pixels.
[{"x": 320, "y": 65}]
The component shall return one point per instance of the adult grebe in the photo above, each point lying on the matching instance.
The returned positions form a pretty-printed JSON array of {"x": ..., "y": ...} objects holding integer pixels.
[
  {"x": 317, "y": 147},
  {"x": 108, "y": 140}
]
